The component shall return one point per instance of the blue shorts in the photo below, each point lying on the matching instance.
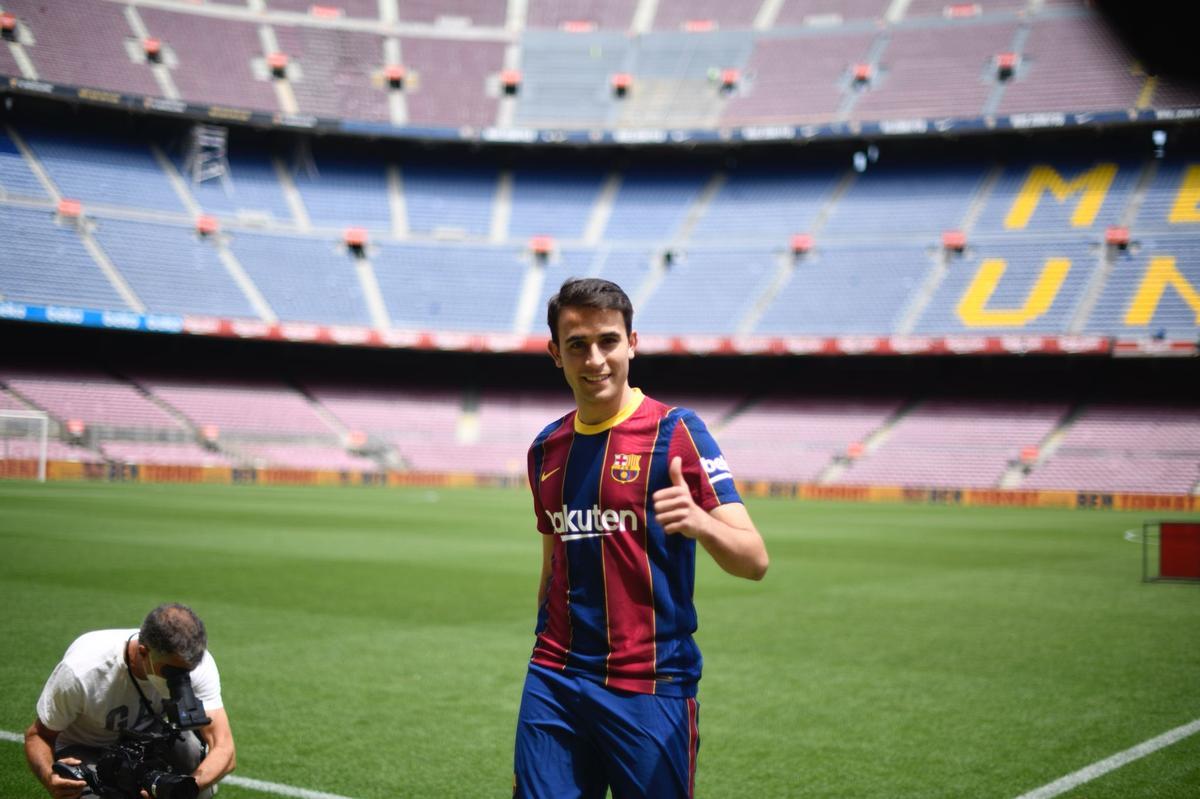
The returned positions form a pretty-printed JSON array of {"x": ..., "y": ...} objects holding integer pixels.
[{"x": 576, "y": 739}]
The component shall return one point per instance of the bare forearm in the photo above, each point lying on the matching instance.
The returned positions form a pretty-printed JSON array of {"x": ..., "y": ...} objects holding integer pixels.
[
  {"x": 219, "y": 762},
  {"x": 40, "y": 755},
  {"x": 738, "y": 550}
]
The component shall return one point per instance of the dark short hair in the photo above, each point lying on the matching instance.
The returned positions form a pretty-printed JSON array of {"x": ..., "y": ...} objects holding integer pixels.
[
  {"x": 173, "y": 629},
  {"x": 588, "y": 292}
]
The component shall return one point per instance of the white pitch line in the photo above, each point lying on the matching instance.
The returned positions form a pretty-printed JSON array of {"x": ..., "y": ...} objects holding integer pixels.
[
  {"x": 1099, "y": 768},
  {"x": 279, "y": 790},
  {"x": 242, "y": 782}
]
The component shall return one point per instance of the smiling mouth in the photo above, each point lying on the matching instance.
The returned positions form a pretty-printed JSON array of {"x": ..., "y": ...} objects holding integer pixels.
[{"x": 595, "y": 380}]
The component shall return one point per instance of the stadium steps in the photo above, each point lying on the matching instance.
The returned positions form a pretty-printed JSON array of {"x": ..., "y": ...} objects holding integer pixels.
[
  {"x": 247, "y": 286},
  {"x": 602, "y": 210},
  {"x": 397, "y": 101},
  {"x": 284, "y": 94},
  {"x": 787, "y": 264},
  {"x": 872, "y": 442},
  {"x": 643, "y": 16},
  {"x": 1017, "y": 473},
  {"x": 1107, "y": 261},
  {"x": 113, "y": 276},
  {"x": 161, "y": 70},
  {"x": 467, "y": 429},
  {"x": 1017, "y": 47},
  {"x": 768, "y": 12},
  {"x": 291, "y": 196},
  {"x": 528, "y": 302},
  {"x": 926, "y": 292},
  {"x": 852, "y": 94},
  {"x": 364, "y": 270},
  {"x": 700, "y": 207},
  {"x": 396, "y": 202},
  {"x": 506, "y": 108},
  {"x": 501, "y": 207},
  {"x": 518, "y": 11}
]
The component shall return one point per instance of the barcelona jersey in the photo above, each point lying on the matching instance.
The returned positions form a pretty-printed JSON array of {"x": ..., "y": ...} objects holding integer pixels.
[{"x": 618, "y": 607}]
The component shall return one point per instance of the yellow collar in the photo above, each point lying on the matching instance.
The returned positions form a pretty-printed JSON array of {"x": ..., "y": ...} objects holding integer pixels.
[{"x": 612, "y": 421}]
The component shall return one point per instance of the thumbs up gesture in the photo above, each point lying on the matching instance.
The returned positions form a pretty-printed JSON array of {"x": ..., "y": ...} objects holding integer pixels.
[{"x": 677, "y": 512}]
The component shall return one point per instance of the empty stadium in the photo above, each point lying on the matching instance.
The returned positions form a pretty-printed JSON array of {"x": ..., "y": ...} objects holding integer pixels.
[{"x": 930, "y": 271}]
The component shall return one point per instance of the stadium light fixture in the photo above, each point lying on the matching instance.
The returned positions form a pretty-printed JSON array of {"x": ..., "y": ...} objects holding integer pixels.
[
  {"x": 510, "y": 80},
  {"x": 1117, "y": 236},
  {"x": 278, "y": 62},
  {"x": 394, "y": 75}
]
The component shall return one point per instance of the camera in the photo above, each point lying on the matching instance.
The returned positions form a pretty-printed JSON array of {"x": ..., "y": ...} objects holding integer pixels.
[{"x": 143, "y": 760}]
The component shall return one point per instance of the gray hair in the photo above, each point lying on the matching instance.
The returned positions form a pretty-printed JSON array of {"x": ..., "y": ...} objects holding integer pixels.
[{"x": 173, "y": 629}]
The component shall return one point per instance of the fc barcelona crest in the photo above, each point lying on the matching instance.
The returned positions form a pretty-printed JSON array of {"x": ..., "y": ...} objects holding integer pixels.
[{"x": 626, "y": 468}]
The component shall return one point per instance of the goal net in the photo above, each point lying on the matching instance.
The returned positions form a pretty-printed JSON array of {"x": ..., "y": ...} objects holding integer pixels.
[{"x": 24, "y": 440}]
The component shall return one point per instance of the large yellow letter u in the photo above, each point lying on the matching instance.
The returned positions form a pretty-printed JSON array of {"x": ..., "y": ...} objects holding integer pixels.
[{"x": 972, "y": 308}]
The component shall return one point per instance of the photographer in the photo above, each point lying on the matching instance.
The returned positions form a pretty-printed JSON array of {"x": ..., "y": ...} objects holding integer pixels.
[{"x": 114, "y": 682}]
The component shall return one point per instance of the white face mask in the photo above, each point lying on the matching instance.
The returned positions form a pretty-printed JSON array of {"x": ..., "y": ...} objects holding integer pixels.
[{"x": 159, "y": 683}]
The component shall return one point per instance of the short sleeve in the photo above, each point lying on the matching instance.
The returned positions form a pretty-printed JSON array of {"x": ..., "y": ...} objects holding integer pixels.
[
  {"x": 61, "y": 701},
  {"x": 535, "y": 464},
  {"x": 704, "y": 466},
  {"x": 206, "y": 682}
]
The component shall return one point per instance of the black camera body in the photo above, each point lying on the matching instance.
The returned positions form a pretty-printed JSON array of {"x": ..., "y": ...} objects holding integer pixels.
[{"x": 143, "y": 760}]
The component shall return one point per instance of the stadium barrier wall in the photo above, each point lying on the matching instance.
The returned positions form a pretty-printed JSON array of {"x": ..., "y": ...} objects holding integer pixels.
[{"x": 967, "y": 497}]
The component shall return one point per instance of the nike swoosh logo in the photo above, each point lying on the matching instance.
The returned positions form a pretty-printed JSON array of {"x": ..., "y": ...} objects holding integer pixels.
[{"x": 552, "y": 471}]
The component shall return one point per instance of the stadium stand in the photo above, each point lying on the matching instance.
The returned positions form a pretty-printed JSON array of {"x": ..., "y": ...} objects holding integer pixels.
[
  {"x": 90, "y": 397},
  {"x": 84, "y": 44},
  {"x": 303, "y": 279},
  {"x": 16, "y": 178},
  {"x": 761, "y": 204},
  {"x": 1005, "y": 286},
  {"x": 567, "y": 79},
  {"x": 601, "y": 14},
  {"x": 340, "y": 191},
  {"x": 1151, "y": 291},
  {"x": 954, "y": 443},
  {"x": 790, "y": 438},
  {"x": 103, "y": 170},
  {"x": 451, "y": 81},
  {"x": 1072, "y": 64},
  {"x": 798, "y": 80},
  {"x": 171, "y": 269},
  {"x": 216, "y": 58},
  {"x": 328, "y": 70},
  {"x": 934, "y": 72},
  {"x": 651, "y": 204},
  {"x": 449, "y": 202},
  {"x": 797, "y": 13},
  {"x": 260, "y": 408},
  {"x": 553, "y": 202},
  {"x": 847, "y": 289},
  {"x": 46, "y": 262},
  {"x": 677, "y": 14},
  {"x": 449, "y": 287},
  {"x": 1124, "y": 447}
]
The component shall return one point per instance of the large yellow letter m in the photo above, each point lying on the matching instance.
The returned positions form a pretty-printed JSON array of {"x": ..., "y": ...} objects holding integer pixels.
[{"x": 1093, "y": 185}]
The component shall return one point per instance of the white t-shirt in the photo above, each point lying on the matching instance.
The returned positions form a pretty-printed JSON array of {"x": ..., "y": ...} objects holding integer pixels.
[{"x": 89, "y": 697}]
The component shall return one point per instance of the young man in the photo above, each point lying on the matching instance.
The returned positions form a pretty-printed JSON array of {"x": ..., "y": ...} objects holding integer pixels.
[
  {"x": 113, "y": 680},
  {"x": 623, "y": 488}
]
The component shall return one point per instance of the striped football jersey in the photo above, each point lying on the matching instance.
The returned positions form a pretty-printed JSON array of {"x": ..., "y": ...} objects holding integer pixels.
[{"x": 618, "y": 607}]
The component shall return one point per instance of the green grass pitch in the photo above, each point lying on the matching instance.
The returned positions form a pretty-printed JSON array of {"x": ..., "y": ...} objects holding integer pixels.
[{"x": 373, "y": 641}]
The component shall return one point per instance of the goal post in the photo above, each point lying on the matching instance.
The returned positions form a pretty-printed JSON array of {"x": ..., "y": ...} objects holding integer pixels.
[
  {"x": 24, "y": 442},
  {"x": 1171, "y": 551}
]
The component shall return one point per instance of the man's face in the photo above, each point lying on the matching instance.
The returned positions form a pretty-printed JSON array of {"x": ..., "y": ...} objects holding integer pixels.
[{"x": 594, "y": 353}]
